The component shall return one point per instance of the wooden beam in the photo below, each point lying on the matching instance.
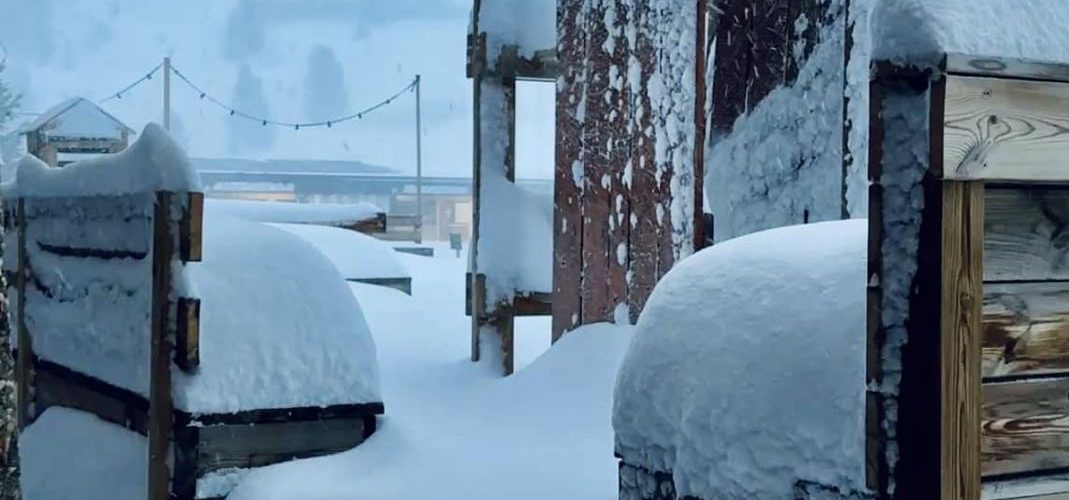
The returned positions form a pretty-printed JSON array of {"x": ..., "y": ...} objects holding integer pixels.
[
  {"x": 1004, "y": 67},
  {"x": 962, "y": 282},
  {"x": 24, "y": 359},
  {"x": 244, "y": 446},
  {"x": 187, "y": 341},
  {"x": 161, "y": 405},
  {"x": 1027, "y": 234},
  {"x": 1007, "y": 130},
  {"x": 191, "y": 228},
  {"x": 57, "y": 385},
  {"x": 1025, "y": 427},
  {"x": 1026, "y": 329}
]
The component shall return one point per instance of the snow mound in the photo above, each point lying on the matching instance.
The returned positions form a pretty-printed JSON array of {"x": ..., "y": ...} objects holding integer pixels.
[
  {"x": 356, "y": 255},
  {"x": 920, "y": 31},
  {"x": 289, "y": 212},
  {"x": 279, "y": 326},
  {"x": 152, "y": 163},
  {"x": 747, "y": 369},
  {"x": 74, "y": 455},
  {"x": 518, "y": 255}
]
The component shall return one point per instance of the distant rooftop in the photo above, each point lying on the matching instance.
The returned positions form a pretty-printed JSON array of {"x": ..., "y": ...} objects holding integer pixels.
[
  {"x": 77, "y": 118},
  {"x": 320, "y": 167}
]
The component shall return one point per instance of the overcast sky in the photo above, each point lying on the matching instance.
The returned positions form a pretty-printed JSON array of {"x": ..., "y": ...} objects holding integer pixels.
[{"x": 292, "y": 60}]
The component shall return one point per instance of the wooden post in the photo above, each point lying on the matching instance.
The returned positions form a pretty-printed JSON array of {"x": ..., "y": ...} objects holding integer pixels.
[
  {"x": 24, "y": 362},
  {"x": 167, "y": 94},
  {"x": 161, "y": 405},
  {"x": 419, "y": 165},
  {"x": 962, "y": 285}
]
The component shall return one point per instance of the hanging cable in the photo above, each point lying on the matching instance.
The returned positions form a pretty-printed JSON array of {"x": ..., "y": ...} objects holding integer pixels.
[
  {"x": 294, "y": 125},
  {"x": 139, "y": 81}
]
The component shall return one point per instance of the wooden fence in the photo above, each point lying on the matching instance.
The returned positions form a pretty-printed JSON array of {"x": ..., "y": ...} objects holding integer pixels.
[
  {"x": 135, "y": 243},
  {"x": 968, "y": 361}
]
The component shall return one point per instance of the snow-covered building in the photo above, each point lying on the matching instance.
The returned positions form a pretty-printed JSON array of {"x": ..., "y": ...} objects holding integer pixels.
[{"x": 72, "y": 129}]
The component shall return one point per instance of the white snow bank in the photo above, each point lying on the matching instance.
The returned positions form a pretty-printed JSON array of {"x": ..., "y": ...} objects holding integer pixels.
[
  {"x": 919, "y": 31},
  {"x": 747, "y": 370},
  {"x": 279, "y": 327},
  {"x": 516, "y": 250},
  {"x": 300, "y": 213},
  {"x": 356, "y": 255},
  {"x": 530, "y": 24},
  {"x": 153, "y": 163},
  {"x": 72, "y": 455}
]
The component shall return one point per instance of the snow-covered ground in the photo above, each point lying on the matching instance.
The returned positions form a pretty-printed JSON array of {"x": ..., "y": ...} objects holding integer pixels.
[{"x": 452, "y": 428}]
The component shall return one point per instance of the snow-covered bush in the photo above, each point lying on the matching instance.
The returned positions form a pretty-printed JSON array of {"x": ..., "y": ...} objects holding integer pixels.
[{"x": 746, "y": 376}]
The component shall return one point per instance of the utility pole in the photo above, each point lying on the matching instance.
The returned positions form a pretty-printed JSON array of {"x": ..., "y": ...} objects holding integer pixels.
[
  {"x": 167, "y": 94},
  {"x": 419, "y": 167}
]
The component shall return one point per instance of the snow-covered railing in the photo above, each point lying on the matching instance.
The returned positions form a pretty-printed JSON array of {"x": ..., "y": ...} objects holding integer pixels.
[
  {"x": 106, "y": 276},
  {"x": 968, "y": 341}
]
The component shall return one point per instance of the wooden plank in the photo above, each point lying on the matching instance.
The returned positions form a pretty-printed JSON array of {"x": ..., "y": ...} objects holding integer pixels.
[
  {"x": 1028, "y": 487},
  {"x": 24, "y": 360},
  {"x": 596, "y": 197},
  {"x": 191, "y": 228},
  {"x": 403, "y": 285},
  {"x": 1004, "y": 67},
  {"x": 56, "y": 385},
  {"x": 187, "y": 341},
  {"x": 224, "y": 446},
  {"x": 619, "y": 164},
  {"x": 161, "y": 406},
  {"x": 962, "y": 280},
  {"x": 1025, "y": 427},
  {"x": 1010, "y": 130},
  {"x": 645, "y": 227},
  {"x": 1026, "y": 329},
  {"x": 1027, "y": 234},
  {"x": 875, "y": 336}
]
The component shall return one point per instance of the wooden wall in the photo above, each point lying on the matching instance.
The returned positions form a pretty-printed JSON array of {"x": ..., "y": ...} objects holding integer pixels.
[{"x": 622, "y": 215}]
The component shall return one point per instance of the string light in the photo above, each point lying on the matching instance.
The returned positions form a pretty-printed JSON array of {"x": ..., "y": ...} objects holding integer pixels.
[
  {"x": 233, "y": 111},
  {"x": 139, "y": 81}
]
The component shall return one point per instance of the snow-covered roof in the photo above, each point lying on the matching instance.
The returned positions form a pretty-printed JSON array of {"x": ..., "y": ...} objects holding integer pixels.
[
  {"x": 287, "y": 166},
  {"x": 290, "y": 212},
  {"x": 279, "y": 326},
  {"x": 921, "y": 31},
  {"x": 747, "y": 369},
  {"x": 356, "y": 255},
  {"x": 154, "y": 162},
  {"x": 77, "y": 118}
]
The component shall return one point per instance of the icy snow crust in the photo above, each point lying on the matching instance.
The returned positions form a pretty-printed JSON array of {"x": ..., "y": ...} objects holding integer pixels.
[
  {"x": 279, "y": 326},
  {"x": 920, "y": 31},
  {"x": 747, "y": 369},
  {"x": 73, "y": 455},
  {"x": 297, "y": 213},
  {"x": 356, "y": 255},
  {"x": 153, "y": 163}
]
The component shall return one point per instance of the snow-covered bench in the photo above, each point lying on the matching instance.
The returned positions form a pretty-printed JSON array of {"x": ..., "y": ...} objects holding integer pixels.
[{"x": 216, "y": 343}]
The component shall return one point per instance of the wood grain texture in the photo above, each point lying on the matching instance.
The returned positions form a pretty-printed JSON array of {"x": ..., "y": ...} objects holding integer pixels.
[
  {"x": 1004, "y": 67},
  {"x": 962, "y": 277},
  {"x": 1025, "y": 426},
  {"x": 191, "y": 228},
  {"x": 1002, "y": 129},
  {"x": 56, "y": 385},
  {"x": 620, "y": 162},
  {"x": 187, "y": 341},
  {"x": 1027, "y": 234},
  {"x": 1026, "y": 329}
]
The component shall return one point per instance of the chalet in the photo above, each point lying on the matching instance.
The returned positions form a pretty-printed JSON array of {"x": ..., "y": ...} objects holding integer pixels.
[{"x": 74, "y": 128}]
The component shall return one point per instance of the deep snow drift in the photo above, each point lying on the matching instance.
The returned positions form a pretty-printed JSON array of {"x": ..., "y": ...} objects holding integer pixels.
[
  {"x": 356, "y": 255},
  {"x": 747, "y": 370}
]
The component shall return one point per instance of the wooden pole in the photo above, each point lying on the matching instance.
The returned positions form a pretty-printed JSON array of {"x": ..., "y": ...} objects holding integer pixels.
[
  {"x": 161, "y": 406},
  {"x": 419, "y": 166},
  {"x": 167, "y": 94}
]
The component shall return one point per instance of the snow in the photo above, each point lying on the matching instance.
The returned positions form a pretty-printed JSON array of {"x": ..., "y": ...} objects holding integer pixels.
[
  {"x": 529, "y": 24},
  {"x": 77, "y": 118},
  {"x": 457, "y": 430},
  {"x": 782, "y": 163},
  {"x": 920, "y": 31},
  {"x": 74, "y": 455},
  {"x": 356, "y": 255},
  {"x": 747, "y": 368},
  {"x": 278, "y": 326},
  {"x": 284, "y": 211},
  {"x": 152, "y": 163}
]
